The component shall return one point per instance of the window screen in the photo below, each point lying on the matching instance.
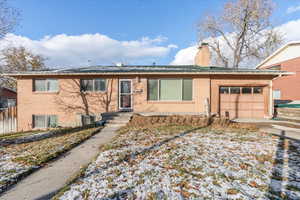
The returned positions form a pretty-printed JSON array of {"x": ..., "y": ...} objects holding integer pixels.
[
  {"x": 153, "y": 89},
  {"x": 170, "y": 89},
  {"x": 46, "y": 85},
  {"x": 45, "y": 121},
  {"x": 39, "y": 121},
  {"x": 187, "y": 90},
  {"x": 93, "y": 84},
  {"x": 87, "y": 85},
  {"x": 52, "y": 121},
  {"x": 52, "y": 85},
  {"x": 40, "y": 85},
  {"x": 100, "y": 85}
]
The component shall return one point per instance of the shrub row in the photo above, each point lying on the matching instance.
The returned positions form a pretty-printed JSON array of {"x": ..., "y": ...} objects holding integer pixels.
[{"x": 191, "y": 120}]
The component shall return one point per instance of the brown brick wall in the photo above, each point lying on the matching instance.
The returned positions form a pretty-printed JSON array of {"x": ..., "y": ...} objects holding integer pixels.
[
  {"x": 288, "y": 85},
  {"x": 68, "y": 102}
]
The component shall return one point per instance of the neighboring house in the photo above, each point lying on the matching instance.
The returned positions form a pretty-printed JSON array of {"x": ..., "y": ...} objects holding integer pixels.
[
  {"x": 287, "y": 58},
  {"x": 8, "y": 97},
  {"x": 64, "y": 97}
]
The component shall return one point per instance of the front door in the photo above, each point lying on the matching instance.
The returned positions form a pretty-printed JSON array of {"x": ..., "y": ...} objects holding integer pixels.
[{"x": 125, "y": 94}]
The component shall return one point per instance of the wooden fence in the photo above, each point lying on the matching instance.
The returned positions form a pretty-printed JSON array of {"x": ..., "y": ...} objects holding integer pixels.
[{"x": 8, "y": 120}]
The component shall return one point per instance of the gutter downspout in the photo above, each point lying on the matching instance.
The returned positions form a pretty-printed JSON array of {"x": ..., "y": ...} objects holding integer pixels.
[{"x": 271, "y": 108}]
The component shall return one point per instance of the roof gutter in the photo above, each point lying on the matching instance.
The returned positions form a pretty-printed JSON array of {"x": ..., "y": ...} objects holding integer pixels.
[{"x": 152, "y": 73}]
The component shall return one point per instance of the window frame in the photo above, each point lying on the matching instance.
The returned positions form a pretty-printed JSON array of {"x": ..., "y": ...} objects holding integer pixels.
[
  {"x": 251, "y": 90},
  {"x": 93, "y": 84},
  {"x": 158, "y": 90},
  {"x": 241, "y": 90},
  {"x": 46, "y": 119},
  {"x": 262, "y": 90},
  {"x": 46, "y": 81}
]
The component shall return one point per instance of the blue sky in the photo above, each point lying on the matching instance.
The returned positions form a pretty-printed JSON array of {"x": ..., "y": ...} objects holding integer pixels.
[{"x": 161, "y": 22}]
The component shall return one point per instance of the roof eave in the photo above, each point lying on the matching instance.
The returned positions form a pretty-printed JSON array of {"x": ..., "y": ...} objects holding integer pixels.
[{"x": 150, "y": 73}]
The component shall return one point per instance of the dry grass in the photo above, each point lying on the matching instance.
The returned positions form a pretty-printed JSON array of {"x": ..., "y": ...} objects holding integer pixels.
[
  {"x": 19, "y": 134},
  {"x": 39, "y": 152},
  {"x": 34, "y": 155}
]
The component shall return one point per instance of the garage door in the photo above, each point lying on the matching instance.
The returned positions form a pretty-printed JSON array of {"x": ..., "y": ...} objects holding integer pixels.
[{"x": 242, "y": 102}]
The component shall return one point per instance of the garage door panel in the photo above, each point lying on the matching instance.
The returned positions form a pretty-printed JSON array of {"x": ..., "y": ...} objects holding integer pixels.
[
  {"x": 257, "y": 113},
  {"x": 242, "y": 105},
  {"x": 258, "y": 106}
]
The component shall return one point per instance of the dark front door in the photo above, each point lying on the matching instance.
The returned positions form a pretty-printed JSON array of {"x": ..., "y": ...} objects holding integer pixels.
[{"x": 125, "y": 94}]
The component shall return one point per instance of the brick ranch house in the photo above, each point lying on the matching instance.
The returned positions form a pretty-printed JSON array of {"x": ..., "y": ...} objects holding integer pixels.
[
  {"x": 63, "y": 97},
  {"x": 286, "y": 58}
]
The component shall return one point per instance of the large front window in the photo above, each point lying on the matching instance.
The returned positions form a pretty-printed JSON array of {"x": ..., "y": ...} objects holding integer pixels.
[{"x": 170, "y": 89}]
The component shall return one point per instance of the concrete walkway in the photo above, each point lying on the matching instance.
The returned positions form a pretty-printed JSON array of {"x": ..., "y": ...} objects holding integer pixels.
[
  {"x": 264, "y": 121},
  {"x": 283, "y": 132},
  {"x": 44, "y": 183},
  {"x": 287, "y": 132}
]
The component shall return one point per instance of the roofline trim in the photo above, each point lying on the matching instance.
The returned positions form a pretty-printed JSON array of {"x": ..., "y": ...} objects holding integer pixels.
[
  {"x": 277, "y": 52},
  {"x": 152, "y": 73}
]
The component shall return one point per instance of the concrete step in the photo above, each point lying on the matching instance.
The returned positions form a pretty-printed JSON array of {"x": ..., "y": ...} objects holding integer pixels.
[
  {"x": 111, "y": 121},
  {"x": 115, "y": 125},
  {"x": 113, "y": 115}
]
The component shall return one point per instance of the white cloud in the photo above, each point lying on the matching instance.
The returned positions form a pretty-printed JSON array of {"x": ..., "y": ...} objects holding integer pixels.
[
  {"x": 67, "y": 50},
  {"x": 185, "y": 56},
  {"x": 293, "y": 9},
  {"x": 290, "y": 30}
]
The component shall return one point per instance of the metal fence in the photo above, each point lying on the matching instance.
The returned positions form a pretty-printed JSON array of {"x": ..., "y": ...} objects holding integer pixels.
[{"x": 8, "y": 120}]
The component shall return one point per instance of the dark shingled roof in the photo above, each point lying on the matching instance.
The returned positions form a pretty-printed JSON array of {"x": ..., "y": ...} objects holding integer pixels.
[{"x": 155, "y": 69}]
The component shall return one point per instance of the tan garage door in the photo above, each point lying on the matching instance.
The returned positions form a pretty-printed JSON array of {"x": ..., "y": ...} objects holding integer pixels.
[{"x": 242, "y": 102}]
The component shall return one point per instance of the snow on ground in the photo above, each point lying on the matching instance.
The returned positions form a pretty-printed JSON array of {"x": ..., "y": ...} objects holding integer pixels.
[
  {"x": 205, "y": 164},
  {"x": 17, "y": 160},
  {"x": 9, "y": 170}
]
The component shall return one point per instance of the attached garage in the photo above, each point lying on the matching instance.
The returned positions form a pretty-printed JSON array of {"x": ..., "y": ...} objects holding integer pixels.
[{"x": 242, "y": 101}]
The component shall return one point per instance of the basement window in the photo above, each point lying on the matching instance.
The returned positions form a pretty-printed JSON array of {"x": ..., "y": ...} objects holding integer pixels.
[{"x": 44, "y": 121}]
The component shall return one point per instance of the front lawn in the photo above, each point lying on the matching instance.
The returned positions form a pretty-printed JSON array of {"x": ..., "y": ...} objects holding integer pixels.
[
  {"x": 18, "y": 160},
  {"x": 168, "y": 163}
]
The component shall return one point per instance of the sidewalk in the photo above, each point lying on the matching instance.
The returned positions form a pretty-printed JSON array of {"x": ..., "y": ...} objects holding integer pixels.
[
  {"x": 264, "y": 121},
  {"x": 283, "y": 132},
  {"x": 44, "y": 183}
]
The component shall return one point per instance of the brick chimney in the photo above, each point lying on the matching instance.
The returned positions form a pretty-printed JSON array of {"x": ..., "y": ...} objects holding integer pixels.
[{"x": 202, "y": 57}]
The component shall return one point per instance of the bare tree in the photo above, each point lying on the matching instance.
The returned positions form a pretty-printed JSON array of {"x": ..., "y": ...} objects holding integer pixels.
[
  {"x": 74, "y": 98},
  {"x": 18, "y": 59},
  {"x": 9, "y": 18},
  {"x": 242, "y": 31},
  {"x": 21, "y": 59}
]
